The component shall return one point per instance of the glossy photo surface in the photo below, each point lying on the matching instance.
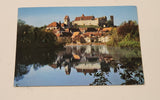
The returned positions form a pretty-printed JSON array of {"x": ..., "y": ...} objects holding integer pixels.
[{"x": 78, "y": 46}]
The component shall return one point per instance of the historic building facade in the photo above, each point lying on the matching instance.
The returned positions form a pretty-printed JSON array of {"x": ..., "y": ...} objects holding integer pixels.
[
  {"x": 91, "y": 20},
  {"x": 67, "y": 21}
]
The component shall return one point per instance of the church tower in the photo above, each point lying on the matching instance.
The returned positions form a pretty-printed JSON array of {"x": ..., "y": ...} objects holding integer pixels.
[
  {"x": 112, "y": 20},
  {"x": 67, "y": 21}
]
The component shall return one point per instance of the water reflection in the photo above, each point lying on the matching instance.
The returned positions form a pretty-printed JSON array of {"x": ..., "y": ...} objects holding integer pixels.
[
  {"x": 100, "y": 65},
  {"x": 25, "y": 57}
]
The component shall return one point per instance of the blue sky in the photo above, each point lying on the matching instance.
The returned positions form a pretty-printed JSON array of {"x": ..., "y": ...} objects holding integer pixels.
[{"x": 39, "y": 16}]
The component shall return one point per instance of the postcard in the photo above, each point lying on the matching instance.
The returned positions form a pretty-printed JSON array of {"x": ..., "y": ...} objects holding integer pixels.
[{"x": 78, "y": 46}]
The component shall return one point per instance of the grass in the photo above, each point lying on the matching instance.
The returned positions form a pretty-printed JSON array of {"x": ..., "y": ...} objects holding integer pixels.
[{"x": 130, "y": 43}]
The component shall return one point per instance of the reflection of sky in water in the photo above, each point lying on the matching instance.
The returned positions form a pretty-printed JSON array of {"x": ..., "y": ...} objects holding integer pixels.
[
  {"x": 114, "y": 78},
  {"x": 47, "y": 76}
]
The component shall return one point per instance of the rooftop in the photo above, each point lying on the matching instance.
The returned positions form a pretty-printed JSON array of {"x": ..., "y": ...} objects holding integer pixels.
[
  {"x": 54, "y": 24},
  {"x": 66, "y": 17},
  {"x": 84, "y": 18}
]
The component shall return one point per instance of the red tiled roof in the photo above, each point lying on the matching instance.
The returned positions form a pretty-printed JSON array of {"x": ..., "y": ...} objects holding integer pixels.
[
  {"x": 54, "y": 24},
  {"x": 58, "y": 34},
  {"x": 76, "y": 56},
  {"x": 98, "y": 34},
  {"x": 62, "y": 25},
  {"x": 75, "y": 34},
  {"x": 98, "y": 29},
  {"x": 66, "y": 17},
  {"x": 107, "y": 29},
  {"x": 84, "y": 18}
]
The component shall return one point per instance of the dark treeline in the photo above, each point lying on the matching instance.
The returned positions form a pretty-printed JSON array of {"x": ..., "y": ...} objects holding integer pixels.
[
  {"x": 29, "y": 36},
  {"x": 34, "y": 46},
  {"x": 35, "y": 42}
]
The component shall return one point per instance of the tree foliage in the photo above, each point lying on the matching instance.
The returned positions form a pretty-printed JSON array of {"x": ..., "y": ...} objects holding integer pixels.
[
  {"x": 29, "y": 35},
  {"x": 126, "y": 35},
  {"x": 130, "y": 27}
]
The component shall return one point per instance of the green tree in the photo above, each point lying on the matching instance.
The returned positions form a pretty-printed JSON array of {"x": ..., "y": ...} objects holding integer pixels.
[
  {"x": 130, "y": 27},
  {"x": 34, "y": 36}
]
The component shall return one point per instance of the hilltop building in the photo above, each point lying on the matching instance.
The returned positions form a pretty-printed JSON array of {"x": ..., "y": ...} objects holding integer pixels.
[
  {"x": 91, "y": 20},
  {"x": 66, "y": 32},
  {"x": 82, "y": 20},
  {"x": 55, "y": 25},
  {"x": 67, "y": 21}
]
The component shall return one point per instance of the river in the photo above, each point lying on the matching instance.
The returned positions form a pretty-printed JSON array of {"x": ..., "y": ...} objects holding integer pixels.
[{"x": 79, "y": 65}]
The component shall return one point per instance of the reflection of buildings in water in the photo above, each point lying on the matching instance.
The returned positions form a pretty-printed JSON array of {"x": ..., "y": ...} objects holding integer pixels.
[
  {"x": 59, "y": 58},
  {"x": 92, "y": 58},
  {"x": 76, "y": 56},
  {"x": 103, "y": 50},
  {"x": 88, "y": 68},
  {"x": 68, "y": 50},
  {"x": 83, "y": 58},
  {"x": 96, "y": 49},
  {"x": 85, "y": 71},
  {"x": 78, "y": 47},
  {"x": 67, "y": 69},
  {"x": 91, "y": 54},
  {"x": 88, "y": 49},
  {"x": 53, "y": 66},
  {"x": 66, "y": 66}
]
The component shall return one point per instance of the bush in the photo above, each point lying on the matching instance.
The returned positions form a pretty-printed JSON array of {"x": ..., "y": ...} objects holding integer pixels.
[
  {"x": 126, "y": 35},
  {"x": 114, "y": 38},
  {"x": 130, "y": 43}
]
